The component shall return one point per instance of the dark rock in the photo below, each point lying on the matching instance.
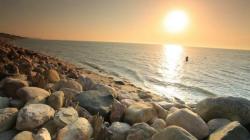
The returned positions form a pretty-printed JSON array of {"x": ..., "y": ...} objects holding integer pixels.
[
  {"x": 141, "y": 131},
  {"x": 119, "y": 83},
  {"x": 86, "y": 82},
  {"x": 8, "y": 135},
  {"x": 96, "y": 102},
  {"x": 4, "y": 102},
  {"x": 231, "y": 131},
  {"x": 119, "y": 130},
  {"x": 215, "y": 124},
  {"x": 10, "y": 86}
]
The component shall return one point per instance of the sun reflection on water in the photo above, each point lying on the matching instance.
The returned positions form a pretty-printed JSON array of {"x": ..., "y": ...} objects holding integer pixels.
[
  {"x": 172, "y": 61},
  {"x": 171, "y": 66}
]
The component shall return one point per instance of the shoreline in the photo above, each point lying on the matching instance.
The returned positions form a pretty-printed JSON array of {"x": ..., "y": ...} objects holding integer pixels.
[{"x": 43, "y": 97}]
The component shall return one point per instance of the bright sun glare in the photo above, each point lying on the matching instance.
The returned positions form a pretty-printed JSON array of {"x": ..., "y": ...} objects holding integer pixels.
[{"x": 176, "y": 21}]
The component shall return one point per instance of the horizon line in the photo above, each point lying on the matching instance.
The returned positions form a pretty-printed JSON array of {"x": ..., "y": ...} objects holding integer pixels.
[{"x": 143, "y": 43}]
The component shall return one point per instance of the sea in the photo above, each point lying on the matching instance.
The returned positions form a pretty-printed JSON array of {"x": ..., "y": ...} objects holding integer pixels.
[{"x": 161, "y": 69}]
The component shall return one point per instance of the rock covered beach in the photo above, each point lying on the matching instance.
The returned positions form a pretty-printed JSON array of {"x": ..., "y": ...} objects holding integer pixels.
[{"x": 44, "y": 98}]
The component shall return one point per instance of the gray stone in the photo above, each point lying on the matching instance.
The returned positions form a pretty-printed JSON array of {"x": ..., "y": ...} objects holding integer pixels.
[
  {"x": 159, "y": 124},
  {"x": 7, "y": 118},
  {"x": 81, "y": 129},
  {"x": 33, "y": 115},
  {"x": 231, "y": 131},
  {"x": 173, "y": 133},
  {"x": 215, "y": 124},
  {"x": 105, "y": 89},
  {"x": 232, "y": 108},
  {"x": 56, "y": 100},
  {"x": 86, "y": 82},
  {"x": 139, "y": 112},
  {"x": 141, "y": 131},
  {"x": 8, "y": 135},
  {"x": 96, "y": 102},
  {"x": 4, "y": 102},
  {"x": 190, "y": 121},
  {"x": 17, "y": 103},
  {"x": 65, "y": 116},
  {"x": 119, "y": 130}
]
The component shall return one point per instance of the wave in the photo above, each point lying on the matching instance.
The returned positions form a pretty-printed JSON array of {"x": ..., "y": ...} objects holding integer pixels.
[{"x": 182, "y": 87}]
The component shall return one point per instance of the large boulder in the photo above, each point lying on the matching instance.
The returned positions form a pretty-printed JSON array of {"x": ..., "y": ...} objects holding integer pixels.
[
  {"x": 53, "y": 76},
  {"x": 96, "y": 102},
  {"x": 232, "y": 108},
  {"x": 231, "y": 131},
  {"x": 24, "y": 135},
  {"x": 190, "y": 121},
  {"x": 4, "y": 102},
  {"x": 56, "y": 100},
  {"x": 81, "y": 129},
  {"x": 215, "y": 124},
  {"x": 65, "y": 116},
  {"x": 7, "y": 118},
  {"x": 32, "y": 93},
  {"x": 33, "y": 115},
  {"x": 119, "y": 130},
  {"x": 11, "y": 85},
  {"x": 141, "y": 131},
  {"x": 173, "y": 133},
  {"x": 139, "y": 112}
]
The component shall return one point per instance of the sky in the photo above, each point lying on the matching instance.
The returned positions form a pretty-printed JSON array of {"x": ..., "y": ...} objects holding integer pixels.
[{"x": 213, "y": 23}]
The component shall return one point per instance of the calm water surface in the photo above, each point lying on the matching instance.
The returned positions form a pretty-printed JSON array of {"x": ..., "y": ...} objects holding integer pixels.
[{"x": 159, "y": 68}]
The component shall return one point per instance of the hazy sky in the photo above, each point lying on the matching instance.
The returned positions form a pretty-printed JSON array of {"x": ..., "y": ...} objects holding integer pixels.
[{"x": 215, "y": 23}]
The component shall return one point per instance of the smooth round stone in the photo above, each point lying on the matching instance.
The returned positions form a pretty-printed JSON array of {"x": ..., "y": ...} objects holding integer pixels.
[
  {"x": 65, "y": 116},
  {"x": 33, "y": 115},
  {"x": 81, "y": 129},
  {"x": 173, "y": 133}
]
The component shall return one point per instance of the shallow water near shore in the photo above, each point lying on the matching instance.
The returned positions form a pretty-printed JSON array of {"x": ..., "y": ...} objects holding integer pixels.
[{"x": 159, "y": 68}]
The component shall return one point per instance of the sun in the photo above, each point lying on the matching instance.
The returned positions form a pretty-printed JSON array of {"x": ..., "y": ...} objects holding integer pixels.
[{"x": 176, "y": 21}]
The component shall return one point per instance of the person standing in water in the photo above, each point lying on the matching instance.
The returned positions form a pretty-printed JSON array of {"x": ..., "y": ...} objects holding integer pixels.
[{"x": 186, "y": 58}]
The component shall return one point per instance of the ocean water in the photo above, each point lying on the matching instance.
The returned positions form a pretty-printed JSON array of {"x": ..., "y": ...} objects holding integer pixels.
[{"x": 161, "y": 69}]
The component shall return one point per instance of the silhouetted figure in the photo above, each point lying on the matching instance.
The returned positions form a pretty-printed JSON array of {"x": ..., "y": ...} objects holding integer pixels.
[{"x": 186, "y": 58}]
